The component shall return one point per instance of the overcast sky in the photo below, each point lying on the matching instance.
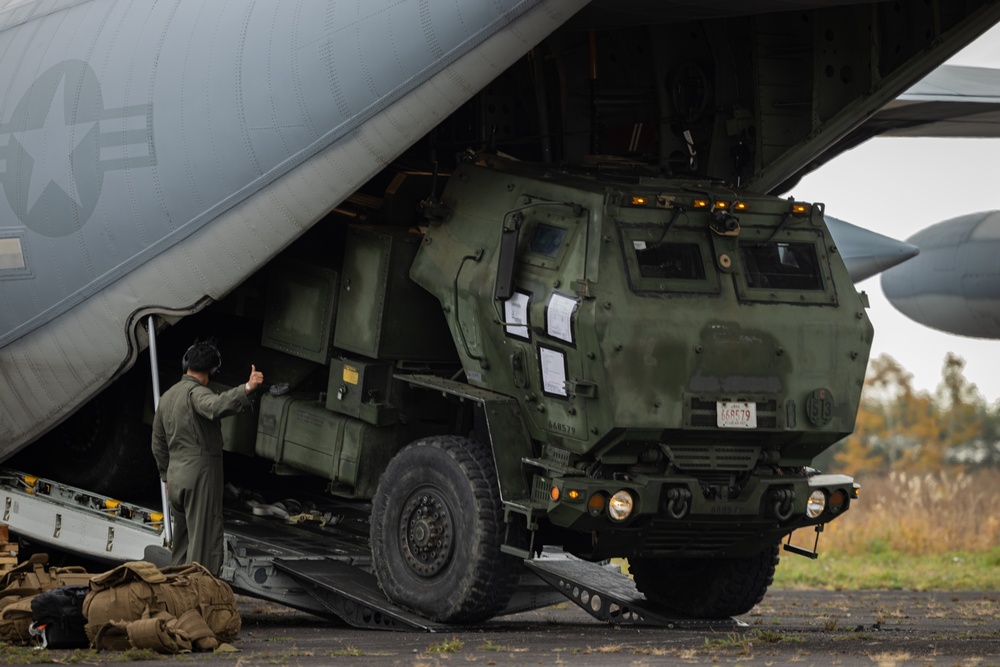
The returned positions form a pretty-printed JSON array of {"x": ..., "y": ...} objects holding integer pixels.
[{"x": 898, "y": 186}]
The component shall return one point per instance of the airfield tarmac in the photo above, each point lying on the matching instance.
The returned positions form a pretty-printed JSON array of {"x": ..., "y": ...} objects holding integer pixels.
[{"x": 821, "y": 628}]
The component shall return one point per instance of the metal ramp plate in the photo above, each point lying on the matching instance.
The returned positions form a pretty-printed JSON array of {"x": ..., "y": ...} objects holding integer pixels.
[
  {"x": 612, "y": 597},
  {"x": 352, "y": 595}
]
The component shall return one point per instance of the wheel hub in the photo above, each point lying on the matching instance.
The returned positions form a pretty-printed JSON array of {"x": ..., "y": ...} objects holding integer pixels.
[{"x": 426, "y": 533}]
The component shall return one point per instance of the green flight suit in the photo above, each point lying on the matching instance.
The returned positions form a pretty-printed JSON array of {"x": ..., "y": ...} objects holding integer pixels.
[{"x": 187, "y": 446}]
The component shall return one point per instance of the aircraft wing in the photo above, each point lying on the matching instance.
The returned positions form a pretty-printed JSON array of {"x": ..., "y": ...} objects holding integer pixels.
[{"x": 951, "y": 101}]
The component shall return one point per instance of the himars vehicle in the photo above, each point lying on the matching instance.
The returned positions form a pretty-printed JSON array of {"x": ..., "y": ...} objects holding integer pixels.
[{"x": 596, "y": 331}]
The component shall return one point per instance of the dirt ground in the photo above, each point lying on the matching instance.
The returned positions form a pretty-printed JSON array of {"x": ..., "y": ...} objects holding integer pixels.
[{"x": 822, "y": 628}]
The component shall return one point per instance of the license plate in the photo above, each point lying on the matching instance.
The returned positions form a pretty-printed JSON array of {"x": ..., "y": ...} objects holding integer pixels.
[{"x": 733, "y": 414}]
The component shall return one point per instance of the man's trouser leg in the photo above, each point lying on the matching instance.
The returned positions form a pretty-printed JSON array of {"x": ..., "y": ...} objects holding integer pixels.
[
  {"x": 179, "y": 549},
  {"x": 203, "y": 509}
]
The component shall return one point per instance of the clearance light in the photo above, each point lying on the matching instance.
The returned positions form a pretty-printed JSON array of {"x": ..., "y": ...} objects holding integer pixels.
[
  {"x": 816, "y": 504},
  {"x": 620, "y": 506},
  {"x": 800, "y": 209},
  {"x": 741, "y": 206},
  {"x": 573, "y": 494},
  {"x": 836, "y": 502},
  {"x": 156, "y": 517},
  {"x": 639, "y": 201},
  {"x": 595, "y": 505},
  {"x": 554, "y": 493},
  {"x": 720, "y": 205},
  {"x": 700, "y": 203},
  {"x": 110, "y": 504},
  {"x": 857, "y": 491}
]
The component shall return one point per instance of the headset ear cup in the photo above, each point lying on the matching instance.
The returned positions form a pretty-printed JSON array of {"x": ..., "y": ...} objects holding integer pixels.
[{"x": 218, "y": 363}]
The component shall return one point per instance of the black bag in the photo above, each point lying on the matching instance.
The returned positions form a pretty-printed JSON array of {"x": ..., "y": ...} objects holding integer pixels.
[{"x": 57, "y": 617}]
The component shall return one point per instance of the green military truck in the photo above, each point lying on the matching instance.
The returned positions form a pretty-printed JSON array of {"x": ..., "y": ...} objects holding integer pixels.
[{"x": 598, "y": 359}]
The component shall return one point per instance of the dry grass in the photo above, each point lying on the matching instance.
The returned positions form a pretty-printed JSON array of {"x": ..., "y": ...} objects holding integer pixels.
[{"x": 918, "y": 514}]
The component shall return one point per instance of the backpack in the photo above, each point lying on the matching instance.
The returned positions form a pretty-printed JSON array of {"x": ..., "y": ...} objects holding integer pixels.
[
  {"x": 138, "y": 590},
  {"x": 31, "y": 578},
  {"x": 57, "y": 617}
]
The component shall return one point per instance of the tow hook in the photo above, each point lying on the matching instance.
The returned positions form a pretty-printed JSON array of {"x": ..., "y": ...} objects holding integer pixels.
[
  {"x": 678, "y": 502},
  {"x": 782, "y": 499}
]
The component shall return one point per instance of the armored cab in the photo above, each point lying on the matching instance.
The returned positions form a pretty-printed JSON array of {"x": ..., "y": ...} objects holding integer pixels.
[{"x": 679, "y": 351}]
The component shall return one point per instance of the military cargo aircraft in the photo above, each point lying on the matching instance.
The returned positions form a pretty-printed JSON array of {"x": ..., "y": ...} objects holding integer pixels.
[
  {"x": 160, "y": 154},
  {"x": 612, "y": 327},
  {"x": 954, "y": 284}
]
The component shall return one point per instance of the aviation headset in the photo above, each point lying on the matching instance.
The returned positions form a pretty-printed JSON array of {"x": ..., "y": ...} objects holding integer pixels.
[{"x": 216, "y": 362}]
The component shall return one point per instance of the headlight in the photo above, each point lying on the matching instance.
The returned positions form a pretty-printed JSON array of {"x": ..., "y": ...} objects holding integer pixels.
[
  {"x": 620, "y": 505},
  {"x": 816, "y": 504}
]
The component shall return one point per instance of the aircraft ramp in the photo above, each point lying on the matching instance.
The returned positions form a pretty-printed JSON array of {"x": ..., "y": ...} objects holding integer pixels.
[{"x": 316, "y": 561}]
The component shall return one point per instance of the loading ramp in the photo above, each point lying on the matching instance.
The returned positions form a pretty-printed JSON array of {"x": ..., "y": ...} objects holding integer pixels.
[{"x": 319, "y": 566}]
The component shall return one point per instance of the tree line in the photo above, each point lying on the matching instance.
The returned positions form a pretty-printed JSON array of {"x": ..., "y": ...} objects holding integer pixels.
[{"x": 899, "y": 428}]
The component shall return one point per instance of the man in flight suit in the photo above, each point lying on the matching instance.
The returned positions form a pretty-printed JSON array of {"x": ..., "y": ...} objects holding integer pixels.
[{"x": 187, "y": 446}]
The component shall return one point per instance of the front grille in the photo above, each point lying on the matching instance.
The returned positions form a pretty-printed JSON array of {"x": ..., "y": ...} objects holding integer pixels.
[
  {"x": 713, "y": 457},
  {"x": 540, "y": 489},
  {"x": 672, "y": 539}
]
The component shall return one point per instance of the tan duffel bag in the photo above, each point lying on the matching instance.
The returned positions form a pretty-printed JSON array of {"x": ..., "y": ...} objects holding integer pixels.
[{"x": 137, "y": 590}]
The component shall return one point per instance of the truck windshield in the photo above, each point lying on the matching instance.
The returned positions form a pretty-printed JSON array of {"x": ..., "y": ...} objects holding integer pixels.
[
  {"x": 678, "y": 261},
  {"x": 682, "y": 264},
  {"x": 792, "y": 266}
]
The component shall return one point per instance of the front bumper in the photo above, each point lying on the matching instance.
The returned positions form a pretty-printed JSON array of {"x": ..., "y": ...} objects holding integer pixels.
[{"x": 673, "y": 516}]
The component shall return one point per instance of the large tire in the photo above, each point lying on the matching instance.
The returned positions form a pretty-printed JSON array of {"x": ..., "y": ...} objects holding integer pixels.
[
  {"x": 436, "y": 530},
  {"x": 706, "y": 588}
]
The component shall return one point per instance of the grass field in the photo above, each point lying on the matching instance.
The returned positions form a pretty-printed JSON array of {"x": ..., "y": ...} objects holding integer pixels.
[{"x": 914, "y": 532}]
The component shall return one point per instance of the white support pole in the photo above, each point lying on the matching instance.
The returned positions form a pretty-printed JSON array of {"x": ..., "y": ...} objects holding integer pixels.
[{"x": 168, "y": 528}]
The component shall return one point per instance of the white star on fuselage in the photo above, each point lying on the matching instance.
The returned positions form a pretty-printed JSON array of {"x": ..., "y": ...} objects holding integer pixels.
[{"x": 51, "y": 147}]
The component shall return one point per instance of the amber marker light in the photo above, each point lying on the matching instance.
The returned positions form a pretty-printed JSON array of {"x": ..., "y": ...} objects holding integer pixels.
[
  {"x": 573, "y": 494},
  {"x": 595, "y": 504},
  {"x": 836, "y": 502},
  {"x": 554, "y": 493},
  {"x": 639, "y": 201},
  {"x": 800, "y": 209},
  {"x": 721, "y": 205},
  {"x": 741, "y": 206},
  {"x": 111, "y": 504},
  {"x": 700, "y": 203}
]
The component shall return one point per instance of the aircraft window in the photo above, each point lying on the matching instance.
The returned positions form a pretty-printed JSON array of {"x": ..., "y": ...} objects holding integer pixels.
[
  {"x": 11, "y": 254},
  {"x": 547, "y": 240},
  {"x": 677, "y": 261},
  {"x": 781, "y": 266}
]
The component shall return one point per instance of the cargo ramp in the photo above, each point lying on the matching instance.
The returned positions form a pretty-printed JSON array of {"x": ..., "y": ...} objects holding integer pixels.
[{"x": 316, "y": 561}]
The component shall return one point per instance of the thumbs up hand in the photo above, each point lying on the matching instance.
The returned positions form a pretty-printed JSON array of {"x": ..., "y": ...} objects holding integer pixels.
[{"x": 256, "y": 379}]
